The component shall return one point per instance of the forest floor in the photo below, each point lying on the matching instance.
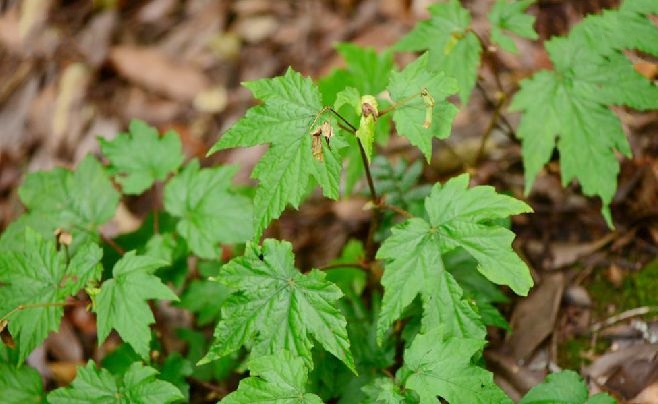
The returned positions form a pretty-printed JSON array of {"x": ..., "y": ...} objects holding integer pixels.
[{"x": 73, "y": 70}]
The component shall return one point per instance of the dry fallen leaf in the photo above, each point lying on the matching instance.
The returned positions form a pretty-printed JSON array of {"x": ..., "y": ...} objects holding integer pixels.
[
  {"x": 150, "y": 68},
  {"x": 534, "y": 317}
]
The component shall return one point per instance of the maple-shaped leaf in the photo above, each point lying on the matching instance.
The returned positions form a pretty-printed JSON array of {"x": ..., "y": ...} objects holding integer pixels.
[
  {"x": 77, "y": 202},
  {"x": 285, "y": 173},
  {"x": 277, "y": 378},
  {"x": 411, "y": 116},
  {"x": 140, "y": 157},
  {"x": 509, "y": 15},
  {"x": 453, "y": 47},
  {"x": 121, "y": 303},
  {"x": 565, "y": 387},
  {"x": 210, "y": 212},
  {"x": 35, "y": 282},
  {"x": 277, "y": 307},
  {"x": 137, "y": 385},
  {"x": 458, "y": 217},
  {"x": 442, "y": 367},
  {"x": 20, "y": 385},
  {"x": 618, "y": 30},
  {"x": 569, "y": 108}
]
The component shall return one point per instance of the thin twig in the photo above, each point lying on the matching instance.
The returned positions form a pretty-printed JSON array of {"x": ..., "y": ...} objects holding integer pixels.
[
  {"x": 112, "y": 244},
  {"x": 492, "y": 104},
  {"x": 492, "y": 124},
  {"x": 22, "y": 307},
  {"x": 396, "y": 209},
  {"x": 625, "y": 315}
]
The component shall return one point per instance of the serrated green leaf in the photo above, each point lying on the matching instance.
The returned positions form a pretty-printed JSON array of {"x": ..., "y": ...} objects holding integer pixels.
[
  {"x": 138, "y": 385},
  {"x": 569, "y": 108},
  {"x": 406, "y": 87},
  {"x": 565, "y": 387},
  {"x": 77, "y": 202},
  {"x": 458, "y": 217},
  {"x": 640, "y": 6},
  {"x": 210, "y": 212},
  {"x": 140, "y": 157},
  {"x": 453, "y": 47},
  {"x": 277, "y": 307},
  {"x": 20, "y": 385},
  {"x": 465, "y": 217},
  {"x": 121, "y": 303},
  {"x": 291, "y": 105},
  {"x": 509, "y": 15},
  {"x": 278, "y": 378},
  {"x": 618, "y": 30},
  {"x": 39, "y": 279},
  {"x": 442, "y": 367},
  {"x": 416, "y": 267}
]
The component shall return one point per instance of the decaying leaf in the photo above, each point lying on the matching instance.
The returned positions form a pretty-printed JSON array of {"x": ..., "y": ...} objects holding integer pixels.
[{"x": 325, "y": 130}]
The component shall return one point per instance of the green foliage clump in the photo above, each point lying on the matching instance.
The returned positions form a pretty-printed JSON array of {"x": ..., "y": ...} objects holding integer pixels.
[{"x": 399, "y": 317}]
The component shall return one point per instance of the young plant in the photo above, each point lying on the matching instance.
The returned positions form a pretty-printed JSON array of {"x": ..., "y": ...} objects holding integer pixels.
[{"x": 400, "y": 317}]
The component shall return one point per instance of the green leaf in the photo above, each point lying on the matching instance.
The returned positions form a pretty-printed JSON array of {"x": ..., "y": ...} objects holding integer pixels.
[
  {"x": 138, "y": 385},
  {"x": 368, "y": 70},
  {"x": 458, "y": 217},
  {"x": 442, "y": 367},
  {"x": 406, "y": 88},
  {"x": 453, "y": 47},
  {"x": 77, "y": 202},
  {"x": 278, "y": 378},
  {"x": 141, "y": 157},
  {"x": 277, "y": 307},
  {"x": 509, "y": 15},
  {"x": 565, "y": 387},
  {"x": 39, "y": 279},
  {"x": 210, "y": 212},
  {"x": 415, "y": 266},
  {"x": 291, "y": 105},
  {"x": 383, "y": 390},
  {"x": 20, "y": 385},
  {"x": 205, "y": 299},
  {"x": 465, "y": 217},
  {"x": 174, "y": 370},
  {"x": 569, "y": 107},
  {"x": 121, "y": 303},
  {"x": 618, "y": 30}
]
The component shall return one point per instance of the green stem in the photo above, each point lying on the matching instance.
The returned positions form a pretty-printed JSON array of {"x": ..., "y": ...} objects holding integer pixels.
[
  {"x": 398, "y": 104},
  {"x": 345, "y": 264}
]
